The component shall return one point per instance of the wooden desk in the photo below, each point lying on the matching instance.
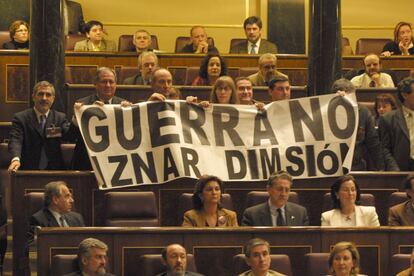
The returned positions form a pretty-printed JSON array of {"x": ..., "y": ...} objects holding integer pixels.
[{"x": 214, "y": 248}]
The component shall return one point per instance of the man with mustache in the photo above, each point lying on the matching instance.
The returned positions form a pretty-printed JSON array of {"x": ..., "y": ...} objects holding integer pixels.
[
  {"x": 37, "y": 132},
  {"x": 92, "y": 258},
  {"x": 267, "y": 70},
  {"x": 175, "y": 257},
  {"x": 253, "y": 44},
  {"x": 373, "y": 77}
]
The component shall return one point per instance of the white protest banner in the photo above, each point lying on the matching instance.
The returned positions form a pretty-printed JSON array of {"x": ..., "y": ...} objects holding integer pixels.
[{"x": 154, "y": 142}]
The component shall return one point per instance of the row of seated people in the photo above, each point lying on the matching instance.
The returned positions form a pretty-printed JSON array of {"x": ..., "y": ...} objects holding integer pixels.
[
  {"x": 343, "y": 260},
  {"x": 199, "y": 42}
]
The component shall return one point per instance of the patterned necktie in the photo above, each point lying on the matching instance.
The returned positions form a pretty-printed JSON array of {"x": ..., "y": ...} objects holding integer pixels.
[
  {"x": 372, "y": 84},
  {"x": 253, "y": 49},
  {"x": 62, "y": 221},
  {"x": 280, "y": 221}
]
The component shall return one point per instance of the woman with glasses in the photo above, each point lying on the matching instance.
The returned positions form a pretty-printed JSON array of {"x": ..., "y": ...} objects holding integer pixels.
[{"x": 19, "y": 35}]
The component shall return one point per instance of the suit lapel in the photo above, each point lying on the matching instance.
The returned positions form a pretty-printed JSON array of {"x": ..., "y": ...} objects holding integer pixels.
[
  {"x": 359, "y": 216},
  {"x": 290, "y": 218},
  {"x": 265, "y": 216},
  {"x": 35, "y": 123},
  {"x": 51, "y": 219},
  {"x": 402, "y": 123}
]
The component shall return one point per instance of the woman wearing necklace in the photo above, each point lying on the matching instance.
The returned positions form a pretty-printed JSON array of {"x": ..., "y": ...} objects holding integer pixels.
[
  {"x": 345, "y": 195},
  {"x": 207, "y": 210}
]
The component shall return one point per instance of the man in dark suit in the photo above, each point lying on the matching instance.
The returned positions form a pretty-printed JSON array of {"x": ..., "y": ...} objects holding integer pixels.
[
  {"x": 396, "y": 130},
  {"x": 175, "y": 257},
  {"x": 199, "y": 42},
  {"x": 105, "y": 84},
  {"x": 73, "y": 17},
  {"x": 37, "y": 132},
  {"x": 403, "y": 214},
  {"x": 92, "y": 258},
  {"x": 254, "y": 44},
  {"x": 58, "y": 203},
  {"x": 147, "y": 62},
  {"x": 277, "y": 211}
]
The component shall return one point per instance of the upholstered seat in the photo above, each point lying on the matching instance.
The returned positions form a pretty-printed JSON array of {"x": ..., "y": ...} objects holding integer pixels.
[
  {"x": 70, "y": 41},
  {"x": 125, "y": 43},
  {"x": 123, "y": 209},
  {"x": 397, "y": 198},
  {"x": 279, "y": 263},
  {"x": 64, "y": 264},
  {"x": 398, "y": 263},
  {"x": 317, "y": 264},
  {"x": 4, "y": 37},
  {"x": 153, "y": 264},
  {"x": 370, "y": 45}
]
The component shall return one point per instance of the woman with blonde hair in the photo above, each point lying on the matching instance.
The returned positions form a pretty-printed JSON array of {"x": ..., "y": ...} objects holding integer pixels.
[
  {"x": 344, "y": 260},
  {"x": 403, "y": 41}
]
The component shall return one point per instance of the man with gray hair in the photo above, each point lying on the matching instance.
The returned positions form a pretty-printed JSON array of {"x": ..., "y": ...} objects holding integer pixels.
[
  {"x": 142, "y": 41},
  {"x": 105, "y": 85},
  {"x": 92, "y": 258},
  {"x": 57, "y": 210},
  {"x": 267, "y": 70},
  {"x": 147, "y": 62},
  {"x": 257, "y": 253},
  {"x": 367, "y": 141},
  {"x": 36, "y": 133},
  {"x": 276, "y": 211}
]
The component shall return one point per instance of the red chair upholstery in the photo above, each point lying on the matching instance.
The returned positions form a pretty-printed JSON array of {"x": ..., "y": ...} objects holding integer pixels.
[
  {"x": 126, "y": 72},
  {"x": 398, "y": 263},
  {"x": 257, "y": 197},
  {"x": 397, "y": 198},
  {"x": 235, "y": 41},
  {"x": 317, "y": 264},
  {"x": 191, "y": 74},
  {"x": 181, "y": 41},
  {"x": 370, "y": 45},
  {"x": 125, "y": 43},
  {"x": 64, "y": 264},
  {"x": 153, "y": 264},
  {"x": 4, "y": 37},
  {"x": 70, "y": 41},
  {"x": 366, "y": 200},
  {"x": 179, "y": 74},
  {"x": 247, "y": 71},
  {"x": 346, "y": 47},
  {"x": 124, "y": 209},
  {"x": 185, "y": 202},
  {"x": 279, "y": 263}
]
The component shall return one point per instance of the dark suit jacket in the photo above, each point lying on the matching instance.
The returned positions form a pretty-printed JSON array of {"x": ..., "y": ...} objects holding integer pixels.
[
  {"x": 395, "y": 140},
  {"x": 367, "y": 143},
  {"x": 135, "y": 79},
  {"x": 27, "y": 139},
  {"x": 401, "y": 214},
  {"x": 80, "y": 159},
  {"x": 189, "y": 49},
  {"x": 75, "y": 17},
  {"x": 393, "y": 47},
  {"x": 259, "y": 215},
  {"x": 187, "y": 273},
  {"x": 265, "y": 47}
]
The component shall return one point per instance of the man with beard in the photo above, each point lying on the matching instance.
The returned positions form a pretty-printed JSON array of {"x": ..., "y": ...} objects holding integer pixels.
[
  {"x": 267, "y": 70},
  {"x": 92, "y": 258},
  {"x": 175, "y": 257},
  {"x": 253, "y": 44},
  {"x": 372, "y": 76},
  {"x": 37, "y": 132}
]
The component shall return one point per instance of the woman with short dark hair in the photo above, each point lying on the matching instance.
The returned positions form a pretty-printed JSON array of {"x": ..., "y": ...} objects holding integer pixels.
[
  {"x": 207, "y": 210},
  {"x": 95, "y": 41}
]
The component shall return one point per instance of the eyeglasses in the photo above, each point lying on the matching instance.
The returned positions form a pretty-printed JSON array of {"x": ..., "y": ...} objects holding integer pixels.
[{"x": 22, "y": 31}]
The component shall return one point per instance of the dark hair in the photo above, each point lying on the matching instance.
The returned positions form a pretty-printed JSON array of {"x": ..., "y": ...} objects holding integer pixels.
[
  {"x": 199, "y": 187},
  {"x": 337, "y": 185},
  {"x": 404, "y": 86},
  {"x": 88, "y": 26},
  {"x": 275, "y": 80},
  {"x": 14, "y": 26},
  {"x": 253, "y": 20},
  {"x": 407, "y": 183},
  {"x": 278, "y": 175},
  {"x": 204, "y": 66},
  {"x": 343, "y": 84},
  {"x": 384, "y": 99},
  {"x": 397, "y": 30}
]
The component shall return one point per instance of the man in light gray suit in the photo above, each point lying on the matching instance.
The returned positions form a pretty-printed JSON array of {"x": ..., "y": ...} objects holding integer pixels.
[
  {"x": 277, "y": 211},
  {"x": 253, "y": 44}
]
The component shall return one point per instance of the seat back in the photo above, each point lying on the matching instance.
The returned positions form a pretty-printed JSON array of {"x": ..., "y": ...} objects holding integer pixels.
[
  {"x": 235, "y": 41},
  {"x": 126, "y": 72},
  {"x": 153, "y": 264},
  {"x": 181, "y": 41},
  {"x": 70, "y": 41},
  {"x": 370, "y": 45},
  {"x": 397, "y": 198},
  {"x": 125, "y": 43},
  {"x": 279, "y": 263},
  {"x": 33, "y": 202},
  {"x": 185, "y": 202},
  {"x": 191, "y": 74},
  {"x": 64, "y": 264},
  {"x": 317, "y": 264},
  {"x": 346, "y": 47},
  {"x": 4, "y": 37},
  {"x": 123, "y": 209},
  {"x": 365, "y": 200},
  {"x": 398, "y": 263},
  {"x": 67, "y": 153},
  {"x": 257, "y": 197},
  {"x": 247, "y": 71},
  {"x": 370, "y": 106}
]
